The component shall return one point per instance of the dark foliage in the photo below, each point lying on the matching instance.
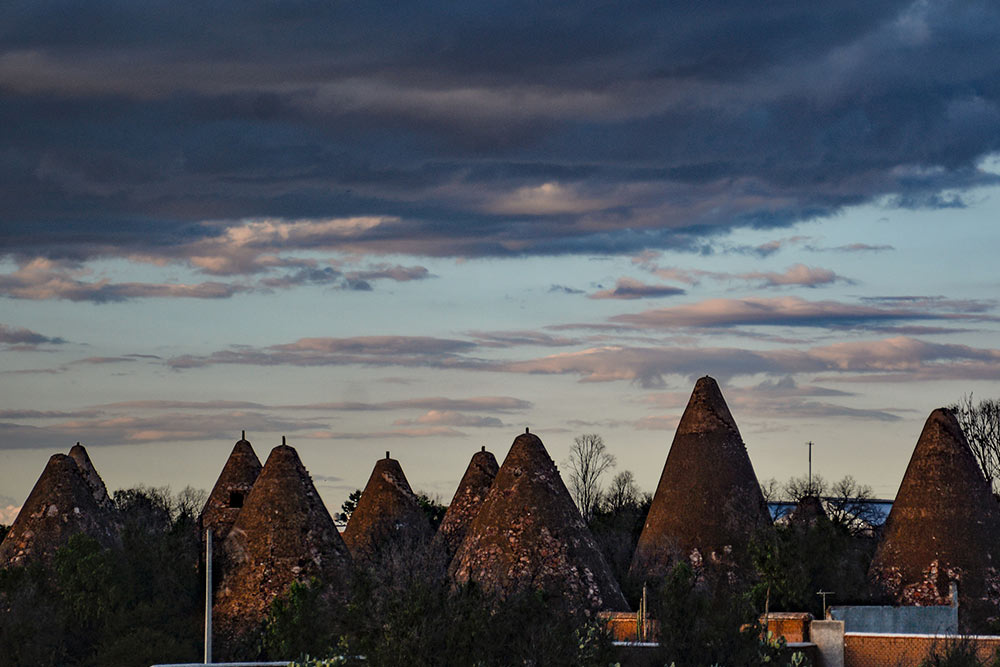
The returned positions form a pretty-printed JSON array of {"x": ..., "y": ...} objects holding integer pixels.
[
  {"x": 137, "y": 605},
  {"x": 959, "y": 652},
  {"x": 981, "y": 425},
  {"x": 794, "y": 561},
  {"x": 707, "y": 619},
  {"x": 433, "y": 508},
  {"x": 348, "y": 506},
  {"x": 616, "y": 526},
  {"x": 404, "y": 611}
]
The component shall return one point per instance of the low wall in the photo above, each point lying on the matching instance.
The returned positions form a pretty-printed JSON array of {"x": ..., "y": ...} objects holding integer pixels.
[
  {"x": 871, "y": 649},
  {"x": 624, "y": 626},
  {"x": 793, "y": 626},
  {"x": 939, "y": 620}
]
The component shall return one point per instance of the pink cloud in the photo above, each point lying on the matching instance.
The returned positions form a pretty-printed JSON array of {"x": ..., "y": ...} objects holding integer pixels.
[
  {"x": 779, "y": 311},
  {"x": 648, "y": 365},
  {"x": 43, "y": 279},
  {"x": 799, "y": 274},
  {"x": 450, "y": 418}
]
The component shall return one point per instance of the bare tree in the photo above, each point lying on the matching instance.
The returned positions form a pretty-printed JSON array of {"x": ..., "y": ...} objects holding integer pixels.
[
  {"x": 771, "y": 490},
  {"x": 588, "y": 461},
  {"x": 798, "y": 488},
  {"x": 622, "y": 493},
  {"x": 850, "y": 505},
  {"x": 981, "y": 424}
]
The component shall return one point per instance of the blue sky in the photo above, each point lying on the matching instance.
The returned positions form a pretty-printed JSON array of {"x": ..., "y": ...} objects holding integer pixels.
[{"x": 369, "y": 228}]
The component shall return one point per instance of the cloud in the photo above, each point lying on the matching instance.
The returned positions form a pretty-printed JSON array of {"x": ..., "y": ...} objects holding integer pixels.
[
  {"x": 852, "y": 247},
  {"x": 504, "y": 339},
  {"x": 565, "y": 290},
  {"x": 183, "y": 405},
  {"x": 42, "y": 279},
  {"x": 498, "y": 404},
  {"x": 8, "y": 510},
  {"x": 47, "y": 414},
  {"x": 783, "y": 398},
  {"x": 153, "y": 421},
  {"x": 770, "y": 247},
  {"x": 412, "y": 432},
  {"x": 26, "y": 337},
  {"x": 450, "y": 418},
  {"x": 121, "y": 429},
  {"x": 627, "y": 288},
  {"x": 421, "y": 351},
  {"x": 799, "y": 274},
  {"x": 795, "y": 312},
  {"x": 167, "y": 137},
  {"x": 899, "y": 357}
]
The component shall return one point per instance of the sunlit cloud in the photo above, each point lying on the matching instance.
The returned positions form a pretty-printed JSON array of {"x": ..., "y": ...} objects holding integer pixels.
[
  {"x": 799, "y": 274},
  {"x": 788, "y": 311}
]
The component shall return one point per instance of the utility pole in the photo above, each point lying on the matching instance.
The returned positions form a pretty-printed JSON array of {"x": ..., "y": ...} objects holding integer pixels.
[
  {"x": 208, "y": 596},
  {"x": 810, "y": 445},
  {"x": 824, "y": 594}
]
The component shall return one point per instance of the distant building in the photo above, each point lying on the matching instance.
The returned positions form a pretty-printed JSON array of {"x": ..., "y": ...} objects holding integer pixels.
[
  {"x": 231, "y": 489},
  {"x": 388, "y": 513},
  {"x": 283, "y": 534},
  {"x": 63, "y": 503},
  {"x": 944, "y": 527},
  {"x": 708, "y": 502},
  {"x": 529, "y": 535},
  {"x": 468, "y": 499}
]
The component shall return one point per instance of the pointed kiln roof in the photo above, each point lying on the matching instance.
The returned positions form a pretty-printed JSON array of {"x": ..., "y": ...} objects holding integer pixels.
[
  {"x": 387, "y": 511},
  {"x": 528, "y": 534},
  {"x": 807, "y": 512},
  {"x": 79, "y": 454},
  {"x": 231, "y": 489},
  {"x": 284, "y": 533},
  {"x": 468, "y": 499},
  {"x": 708, "y": 497},
  {"x": 60, "y": 505},
  {"x": 944, "y": 525}
]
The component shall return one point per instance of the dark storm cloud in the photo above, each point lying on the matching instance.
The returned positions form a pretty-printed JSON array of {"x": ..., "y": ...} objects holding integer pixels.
[{"x": 152, "y": 130}]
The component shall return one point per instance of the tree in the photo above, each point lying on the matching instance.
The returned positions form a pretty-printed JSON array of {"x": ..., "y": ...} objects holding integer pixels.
[
  {"x": 349, "y": 505},
  {"x": 797, "y": 488},
  {"x": 433, "y": 508},
  {"x": 135, "y": 604},
  {"x": 771, "y": 490},
  {"x": 981, "y": 424},
  {"x": 849, "y": 504},
  {"x": 588, "y": 461},
  {"x": 623, "y": 493}
]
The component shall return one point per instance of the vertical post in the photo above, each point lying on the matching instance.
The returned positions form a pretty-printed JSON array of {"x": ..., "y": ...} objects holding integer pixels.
[
  {"x": 810, "y": 443},
  {"x": 208, "y": 596},
  {"x": 641, "y": 633}
]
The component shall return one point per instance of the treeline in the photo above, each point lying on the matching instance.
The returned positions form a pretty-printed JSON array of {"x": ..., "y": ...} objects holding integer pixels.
[
  {"x": 144, "y": 603},
  {"x": 89, "y": 605}
]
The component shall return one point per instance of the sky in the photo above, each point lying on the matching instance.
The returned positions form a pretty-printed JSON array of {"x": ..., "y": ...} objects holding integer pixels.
[{"x": 372, "y": 226}]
